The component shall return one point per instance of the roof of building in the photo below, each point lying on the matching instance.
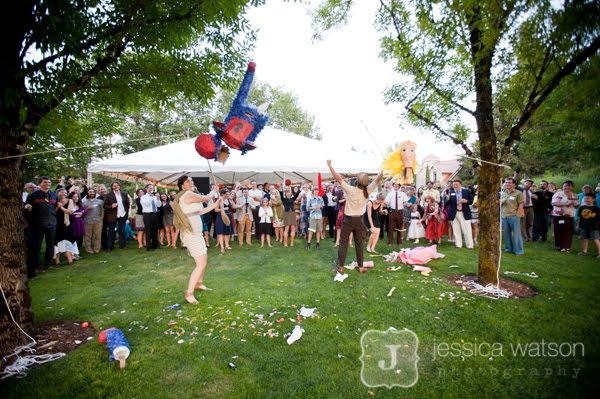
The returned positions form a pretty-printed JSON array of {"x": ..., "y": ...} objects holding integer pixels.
[{"x": 448, "y": 166}]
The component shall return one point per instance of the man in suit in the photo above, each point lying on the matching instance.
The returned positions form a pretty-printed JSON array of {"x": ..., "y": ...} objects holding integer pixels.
[
  {"x": 459, "y": 214},
  {"x": 116, "y": 209},
  {"x": 329, "y": 212},
  {"x": 542, "y": 206},
  {"x": 40, "y": 206}
]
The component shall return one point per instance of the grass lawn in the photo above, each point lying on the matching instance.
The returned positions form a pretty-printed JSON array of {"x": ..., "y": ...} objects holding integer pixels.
[{"x": 466, "y": 343}]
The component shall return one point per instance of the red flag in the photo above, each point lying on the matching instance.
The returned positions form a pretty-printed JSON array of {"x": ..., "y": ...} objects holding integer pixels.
[{"x": 319, "y": 183}]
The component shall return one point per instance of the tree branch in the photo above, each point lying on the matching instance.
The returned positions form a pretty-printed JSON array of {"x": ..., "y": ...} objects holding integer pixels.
[
  {"x": 116, "y": 31},
  {"x": 407, "y": 55},
  {"x": 436, "y": 127},
  {"x": 114, "y": 51},
  {"x": 579, "y": 58}
]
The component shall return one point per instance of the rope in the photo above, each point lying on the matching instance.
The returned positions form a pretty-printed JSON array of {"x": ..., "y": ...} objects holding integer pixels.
[
  {"x": 211, "y": 173},
  {"x": 87, "y": 146},
  {"x": 372, "y": 138},
  {"x": 489, "y": 291},
  {"x": 528, "y": 274},
  {"x": 22, "y": 364}
]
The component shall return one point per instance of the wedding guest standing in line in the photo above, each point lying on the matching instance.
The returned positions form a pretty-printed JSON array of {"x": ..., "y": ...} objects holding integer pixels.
[
  {"x": 511, "y": 202},
  {"x": 565, "y": 202},
  {"x": 93, "y": 221},
  {"x": 150, "y": 205},
  {"x": 289, "y": 218},
  {"x": 41, "y": 205},
  {"x": 116, "y": 211}
]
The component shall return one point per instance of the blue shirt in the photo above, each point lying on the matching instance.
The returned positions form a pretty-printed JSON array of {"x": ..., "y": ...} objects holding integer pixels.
[{"x": 313, "y": 202}]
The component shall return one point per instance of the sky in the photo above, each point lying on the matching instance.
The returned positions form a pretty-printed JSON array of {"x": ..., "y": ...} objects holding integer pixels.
[{"x": 339, "y": 80}]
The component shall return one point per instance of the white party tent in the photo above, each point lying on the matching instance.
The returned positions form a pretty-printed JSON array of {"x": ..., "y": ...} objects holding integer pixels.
[{"x": 279, "y": 155}]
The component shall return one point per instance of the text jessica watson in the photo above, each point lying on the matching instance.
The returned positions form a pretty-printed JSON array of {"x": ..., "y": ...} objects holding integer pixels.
[{"x": 541, "y": 348}]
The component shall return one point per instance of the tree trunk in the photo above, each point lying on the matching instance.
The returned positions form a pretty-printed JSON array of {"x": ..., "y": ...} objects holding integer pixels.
[
  {"x": 489, "y": 174},
  {"x": 13, "y": 274},
  {"x": 489, "y": 219}
]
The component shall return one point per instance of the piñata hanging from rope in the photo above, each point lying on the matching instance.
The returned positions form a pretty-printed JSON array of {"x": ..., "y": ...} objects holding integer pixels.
[
  {"x": 401, "y": 165},
  {"x": 241, "y": 127}
]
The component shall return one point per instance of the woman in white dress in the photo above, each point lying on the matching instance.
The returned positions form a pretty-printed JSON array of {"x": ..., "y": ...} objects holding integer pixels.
[
  {"x": 415, "y": 229},
  {"x": 188, "y": 208}
]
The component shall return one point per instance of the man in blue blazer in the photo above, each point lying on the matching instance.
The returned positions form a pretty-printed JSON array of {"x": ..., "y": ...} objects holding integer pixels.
[{"x": 459, "y": 214}]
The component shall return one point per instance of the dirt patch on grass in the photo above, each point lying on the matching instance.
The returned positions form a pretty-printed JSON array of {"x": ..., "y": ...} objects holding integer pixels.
[
  {"x": 517, "y": 289},
  {"x": 61, "y": 336},
  {"x": 54, "y": 337}
]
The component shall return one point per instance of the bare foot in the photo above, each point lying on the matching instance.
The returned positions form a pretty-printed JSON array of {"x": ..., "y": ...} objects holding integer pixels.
[
  {"x": 190, "y": 298},
  {"x": 202, "y": 287}
]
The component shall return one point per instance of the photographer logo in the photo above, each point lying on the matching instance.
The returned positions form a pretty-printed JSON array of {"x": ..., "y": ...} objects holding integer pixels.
[{"x": 389, "y": 358}]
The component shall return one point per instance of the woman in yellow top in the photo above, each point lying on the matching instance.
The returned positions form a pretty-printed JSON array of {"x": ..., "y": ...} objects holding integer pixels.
[
  {"x": 356, "y": 201},
  {"x": 188, "y": 207}
]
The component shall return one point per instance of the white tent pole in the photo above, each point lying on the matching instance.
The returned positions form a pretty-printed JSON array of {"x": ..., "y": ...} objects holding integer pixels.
[{"x": 90, "y": 180}]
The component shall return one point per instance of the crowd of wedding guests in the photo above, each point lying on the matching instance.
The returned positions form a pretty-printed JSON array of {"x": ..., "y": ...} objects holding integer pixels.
[{"x": 73, "y": 217}]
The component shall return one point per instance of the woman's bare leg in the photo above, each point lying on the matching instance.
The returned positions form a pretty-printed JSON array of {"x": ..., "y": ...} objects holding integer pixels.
[
  {"x": 286, "y": 231},
  {"x": 196, "y": 278},
  {"x": 174, "y": 234},
  {"x": 140, "y": 239}
]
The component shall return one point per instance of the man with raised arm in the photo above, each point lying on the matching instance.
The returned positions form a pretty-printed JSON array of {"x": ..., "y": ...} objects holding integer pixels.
[{"x": 356, "y": 202}]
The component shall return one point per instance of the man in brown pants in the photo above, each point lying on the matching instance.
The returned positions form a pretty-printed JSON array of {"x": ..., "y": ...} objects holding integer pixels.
[
  {"x": 356, "y": 201},
  {"x": 395, "y": 201}
]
